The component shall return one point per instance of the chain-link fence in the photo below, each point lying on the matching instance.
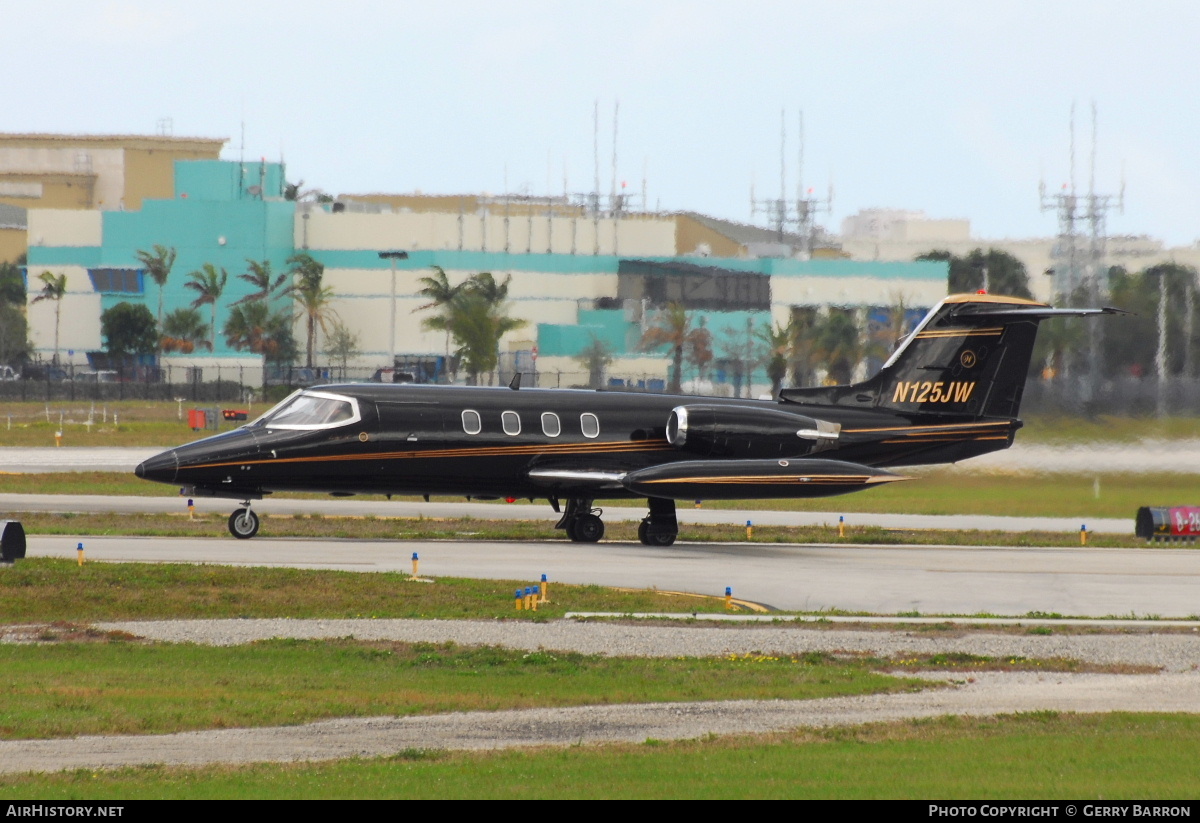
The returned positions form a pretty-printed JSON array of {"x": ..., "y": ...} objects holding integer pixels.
[
  {"x": 1126, "y": 397},
  {"x": 1121, "y": 397},
  {"x": 215, "y": 383}
]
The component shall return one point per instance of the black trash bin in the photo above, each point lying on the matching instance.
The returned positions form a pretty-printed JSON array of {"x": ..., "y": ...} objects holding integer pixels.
[
  {"x": 1168, "y": 523},
  {"x": 12, "y": 541}
]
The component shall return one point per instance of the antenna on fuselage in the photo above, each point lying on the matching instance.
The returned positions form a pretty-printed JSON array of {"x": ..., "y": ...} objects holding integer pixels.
[{"x": 515, "y": 383}]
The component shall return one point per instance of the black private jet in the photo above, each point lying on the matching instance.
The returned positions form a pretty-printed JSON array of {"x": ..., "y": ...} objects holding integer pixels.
[{"x": 951, "y": 390}]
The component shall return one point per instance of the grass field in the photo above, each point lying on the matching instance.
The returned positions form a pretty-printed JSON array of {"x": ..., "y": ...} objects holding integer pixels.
[
  {"x": 42, "y": 590},
  {"x": 1046, "y": 755},
  {"x": 78, "y": 680},
  {"x": 119, "y": 687}
]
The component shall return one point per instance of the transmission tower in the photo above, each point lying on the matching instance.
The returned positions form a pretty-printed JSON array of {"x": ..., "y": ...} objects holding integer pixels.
[
  {"x": 1080, "y": 253},
  {"x": 1081, "y": 249},
  {"x": 796, "y": 215}
]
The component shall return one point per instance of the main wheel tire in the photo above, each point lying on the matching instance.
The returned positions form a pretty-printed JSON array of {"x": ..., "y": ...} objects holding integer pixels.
[
  {"x": 243, "y": 524},
  {"x": 587, "y": 529},
  {"x": 659, "y": 539}
]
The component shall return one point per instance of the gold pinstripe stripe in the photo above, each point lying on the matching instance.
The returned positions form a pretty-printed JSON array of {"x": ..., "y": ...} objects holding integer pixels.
[
  {"x": 966, "y": 428},
  {"x": 960, "y": 333},
  {"x": 941, "y": 439},
  {"x": 498, "y": 451},
  {"x": 775, "y": 479}
]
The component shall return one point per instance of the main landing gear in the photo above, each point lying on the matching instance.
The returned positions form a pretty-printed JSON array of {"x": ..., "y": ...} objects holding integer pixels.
[
  {"x": 659, "y": 528},
  {"x": 243, "y": 523},
  {"x": 581, "y": 522}
]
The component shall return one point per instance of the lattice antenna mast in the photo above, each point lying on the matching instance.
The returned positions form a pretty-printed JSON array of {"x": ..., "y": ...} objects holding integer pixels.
[
  {"x": 596, "y": 203},
  {"x": 1080, "y": 261},
  {"x": 798, "y": 215}
]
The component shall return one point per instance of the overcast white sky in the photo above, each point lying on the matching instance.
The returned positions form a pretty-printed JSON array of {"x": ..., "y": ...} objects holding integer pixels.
[{"x": 955, "y": 108}]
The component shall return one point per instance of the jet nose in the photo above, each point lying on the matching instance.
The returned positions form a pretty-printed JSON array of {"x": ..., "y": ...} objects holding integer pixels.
[{"x": 162, "y": 467}]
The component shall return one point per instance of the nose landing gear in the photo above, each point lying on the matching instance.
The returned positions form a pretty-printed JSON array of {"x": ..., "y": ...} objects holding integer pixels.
[{"x": 243, "y": 523}]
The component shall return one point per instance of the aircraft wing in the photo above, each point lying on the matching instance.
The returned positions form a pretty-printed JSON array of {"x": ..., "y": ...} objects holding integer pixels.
[
  {"x": 561, "y": 478},
  {"x": 722, "y": 479},
  {"x": 1037, "y": 312}
]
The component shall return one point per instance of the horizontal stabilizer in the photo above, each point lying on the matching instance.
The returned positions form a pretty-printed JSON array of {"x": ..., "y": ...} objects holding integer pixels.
[{"x": 754, "y": 479}]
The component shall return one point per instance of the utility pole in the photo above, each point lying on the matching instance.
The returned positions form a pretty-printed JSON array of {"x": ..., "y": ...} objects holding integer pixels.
[{"x": 393, "y": 256}]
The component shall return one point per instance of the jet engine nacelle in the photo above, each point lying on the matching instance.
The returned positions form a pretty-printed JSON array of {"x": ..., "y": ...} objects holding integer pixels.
[{"x": 747, "y": 431}]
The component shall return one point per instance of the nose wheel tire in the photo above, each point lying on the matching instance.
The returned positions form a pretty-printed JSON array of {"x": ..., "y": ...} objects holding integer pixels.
[
  {"x": 586, "y": 529},
  {"x": 243, "y": 524}
]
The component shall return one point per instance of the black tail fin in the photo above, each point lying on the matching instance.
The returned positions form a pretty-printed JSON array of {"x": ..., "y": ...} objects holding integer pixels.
[{"x": 967, "y": 358}]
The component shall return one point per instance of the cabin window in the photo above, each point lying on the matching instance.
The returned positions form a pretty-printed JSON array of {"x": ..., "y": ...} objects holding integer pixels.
[
  {"x": 590, "y": 424},
  {"x": 551, "y": 427},
  {"x": 511, "y": 421},
  {"x": 312, "y": 410},
  {"x": 471, "y": 422}
]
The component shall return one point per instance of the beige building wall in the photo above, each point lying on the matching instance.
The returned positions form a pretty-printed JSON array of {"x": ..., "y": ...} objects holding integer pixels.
[
  {"x": 50, "y": 191},
  {"x": 107, "y": 172},
  {"x": 246, "y": 368},
  {"x": 860, "y": 291},
  {"x": 486, "y": 231},
  {"x": 363, "y": 302},
  {"x": 65, "y": 227},
  {"x": 12, "y": 244},
  {"x": 568, "y": 372},
  {"x": 465, "y": 203},
  {"x": 150, "y": 173},
  {"x": 78, "y": 322},
  {"x": 693, "y": 237}
]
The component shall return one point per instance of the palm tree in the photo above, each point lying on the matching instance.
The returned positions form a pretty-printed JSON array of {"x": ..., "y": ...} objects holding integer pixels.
[
  {"x": 474, "y": 314},
  {"x": 440, "y": 293},
  {"x": 158, "y": 265},
  {"x": 307, "y": 268},
  {"x": 314, "y": 299},
  {"x": 437, "y": 289},
  {"x": 674, "y": 328},
  {"x": 54, "y": 289},
  {"x": 254, "y": 327},
  {"x": 183, "y": 330},
  {"x": 780, "y": 343},
  {"x": 259, "y": 276},
  {"x": 596, "y": 356},
  {"x": 209, "y": 284},
  {"x": 838, "y": 344},
  {"x": 485, "y": 285},
  {"x": 478, "y": 325}
]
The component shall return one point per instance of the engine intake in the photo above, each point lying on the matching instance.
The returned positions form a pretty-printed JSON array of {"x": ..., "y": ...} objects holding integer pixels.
[{"x": 748, "y": 431}]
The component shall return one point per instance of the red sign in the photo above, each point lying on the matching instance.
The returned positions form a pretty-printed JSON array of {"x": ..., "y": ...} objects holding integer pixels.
[{"x": 1185, "y": 520}]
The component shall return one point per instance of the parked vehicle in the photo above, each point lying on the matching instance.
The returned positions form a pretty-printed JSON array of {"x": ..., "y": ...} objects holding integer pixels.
[
  {"x": 106, "y": 376},
  {"x": 44, "y": 372}
]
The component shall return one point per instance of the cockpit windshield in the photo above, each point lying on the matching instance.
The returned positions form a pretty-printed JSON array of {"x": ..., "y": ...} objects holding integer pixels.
[{"x": 311, "y": 410}]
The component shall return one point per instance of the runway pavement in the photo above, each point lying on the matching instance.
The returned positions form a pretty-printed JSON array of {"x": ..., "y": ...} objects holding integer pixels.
[{"x": 875, "y": 579}]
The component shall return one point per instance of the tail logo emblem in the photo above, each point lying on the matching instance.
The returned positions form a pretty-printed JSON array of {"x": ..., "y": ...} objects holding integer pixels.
[{"x": 967, "y": 359}]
